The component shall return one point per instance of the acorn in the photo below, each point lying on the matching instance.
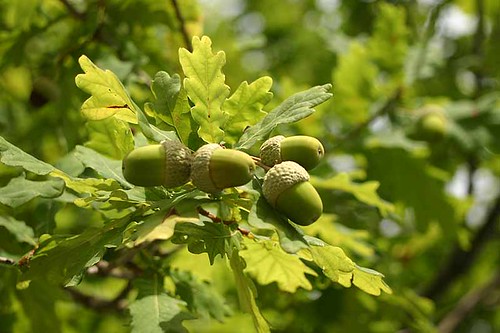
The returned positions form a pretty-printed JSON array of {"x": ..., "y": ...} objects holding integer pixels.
[
  {"x": 215, "y": 168},
  {"x": 305, "y": 150},
  {"x": 287, "y": 188},
  {"x": 167, "y": 164}
]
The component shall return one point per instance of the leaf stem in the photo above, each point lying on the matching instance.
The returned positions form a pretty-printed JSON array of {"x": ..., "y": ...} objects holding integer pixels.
[{"x": 259, "y": 163}]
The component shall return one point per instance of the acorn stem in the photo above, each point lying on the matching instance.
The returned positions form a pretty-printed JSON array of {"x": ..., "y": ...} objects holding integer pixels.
[{"x": 259, "y": 163}]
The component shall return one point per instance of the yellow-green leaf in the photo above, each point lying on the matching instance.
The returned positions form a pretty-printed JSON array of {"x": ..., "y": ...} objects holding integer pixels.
[
  {"x": 204, "y": 84},
  {"x": 109, "y": 97},
  {"x": 268, "y": 263}
]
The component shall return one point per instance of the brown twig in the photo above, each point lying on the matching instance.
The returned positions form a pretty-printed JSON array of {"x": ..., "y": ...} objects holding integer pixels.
[
  {"x": 467, "y": 304},
  {"x": 259, "y": 163},
  {"x": 182, "y": 23}
]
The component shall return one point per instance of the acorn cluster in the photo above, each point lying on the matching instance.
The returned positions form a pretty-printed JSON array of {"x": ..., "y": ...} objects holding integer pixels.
[{"x": 213, "y": 168}]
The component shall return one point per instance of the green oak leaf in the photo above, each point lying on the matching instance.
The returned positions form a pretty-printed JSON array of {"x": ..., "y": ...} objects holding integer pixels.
[
  {"x": 294, "y": 108},
  {"x": 59, "y": 261},
  {"x": 109, "y": 97},
  {"x": 204, "y": 84},
  {"x": 172, "y": 107},
  {"x": 268, "y": 263},
  {"x": 212, "y": 238},
  {"x": 103, "y": 165},
  {"x": 244, "y": 107},
  {"x": 341, "y": 269},
  {"x": 201, "y": 297},
  {"x": 365, "y": 192},
  {"x": 20, "y": 230},
  {"x": 13, "y": 156},
  {"x": 21, "y": 190},
  {"x": 247, "y": 294},
  {"x": 154, "y": 308},
  {"x": 111, "y": 137}
]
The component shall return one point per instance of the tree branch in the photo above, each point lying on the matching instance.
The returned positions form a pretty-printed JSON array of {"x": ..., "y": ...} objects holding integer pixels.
[
  {"x": 467, "y": 304},
  {"x": 7, "y": 261},
  {"x": 182, "y": 23},
  {"x": 461, "y": 260}
]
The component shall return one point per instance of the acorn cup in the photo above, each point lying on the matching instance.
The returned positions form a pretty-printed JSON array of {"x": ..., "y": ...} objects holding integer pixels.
[
  {"x": 287, "y": 188},
  {"x": 215, "y": 168},
  {"x": 305, "y": 150},
  {"x": 167, "y": 164}
]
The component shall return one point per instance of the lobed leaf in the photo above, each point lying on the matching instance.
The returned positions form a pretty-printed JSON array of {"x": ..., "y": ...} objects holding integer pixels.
[
  {"x": 13, "y": 156},
  {"x": 59, "y": 261},
  {"x": 172, "y": 106},
  {"x": 22, "y": 232},
  {"x": 104, "y": 166},
  {"x": 204, "y": 84},
  {"x": 244, "y": 107},
  {"x": 340, "y": 269},
  {"x": 109, "y": 97},
  {"x": 21, "y": 190},
  {"x": 201, "y": 297},
  {"x": 268, "y": 263},
  {"x": 247, "y": 294},
  {"x": 294, "y": 108},
  {"x": 154, "y": 309},
  {"x": 110, "y": 137},
  {"x": 212, "y": 238}
]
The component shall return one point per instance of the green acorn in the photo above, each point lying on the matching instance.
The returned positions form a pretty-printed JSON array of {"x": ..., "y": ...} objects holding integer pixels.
[
  {"x": 167, "y": 164},
  {"x": 287, "y": 188},
  {"x": 215, "y": 168},
  {"x": 305, "y": 150}
]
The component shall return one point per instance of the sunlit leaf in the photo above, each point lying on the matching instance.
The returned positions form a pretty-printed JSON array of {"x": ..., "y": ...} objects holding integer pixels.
[
  {"x": 268, "y": 263},
  {"x": 109, "y": 97},
  {"x": 294, "y": 108},
  {"x": 111, "y": 137},
  {"x": 244, "y": 107},
  {"x": 204, "y": 84}
]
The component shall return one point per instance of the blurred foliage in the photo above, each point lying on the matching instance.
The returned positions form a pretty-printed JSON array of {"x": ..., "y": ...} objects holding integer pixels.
[{"x": 390, "y": 62}]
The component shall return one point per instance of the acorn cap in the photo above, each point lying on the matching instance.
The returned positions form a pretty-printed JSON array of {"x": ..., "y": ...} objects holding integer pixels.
[
  {"x": 287, "y": 188},
  {"x": 270, "y": 151},
  {"x": 215, "y": 168},
  {"x": 178, "y": 159},
  {"x": 167, "y": 164},
  {"x": 281, "y": 177}
]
